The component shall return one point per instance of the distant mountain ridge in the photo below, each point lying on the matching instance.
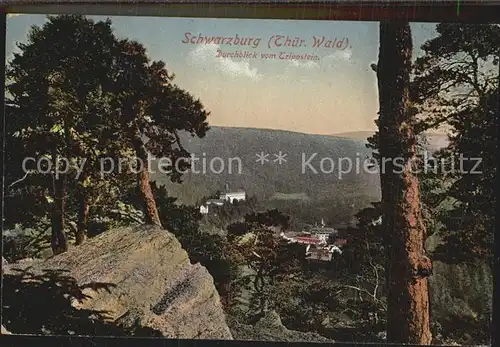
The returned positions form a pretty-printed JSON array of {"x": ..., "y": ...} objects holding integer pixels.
[
  {"x": 311, "y": 192},
  {"x": 231, "y": 149},
  {"x": 355, "y": 135},
  {"x": 435, "y": 140},
  {"x": 243, "y": 145}
]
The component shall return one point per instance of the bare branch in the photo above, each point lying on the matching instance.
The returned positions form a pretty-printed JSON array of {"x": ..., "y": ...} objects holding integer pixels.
[{"x": 19, "y": 180}]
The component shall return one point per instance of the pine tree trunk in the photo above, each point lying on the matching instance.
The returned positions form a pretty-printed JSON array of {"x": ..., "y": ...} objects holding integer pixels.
[
  {"x": 83, "y": 217},
  {"x": 83, "y": 210},
  {"x": 407, "y": 267},
  {"x": 59, "y": 241},
  {"x": 495, "y": 262},
  {"x": 151, "y": 211}
]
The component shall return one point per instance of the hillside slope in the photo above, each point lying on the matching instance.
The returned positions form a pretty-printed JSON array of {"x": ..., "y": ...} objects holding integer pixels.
[{"x": 238, "y": 149}]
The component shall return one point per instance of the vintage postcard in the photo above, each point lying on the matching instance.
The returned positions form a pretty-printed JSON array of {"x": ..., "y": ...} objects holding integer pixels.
[{"x": 244, "y": 179}]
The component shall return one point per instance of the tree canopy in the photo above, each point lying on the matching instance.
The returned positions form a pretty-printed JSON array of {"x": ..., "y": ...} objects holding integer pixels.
[{"x": 79, "y": 98}]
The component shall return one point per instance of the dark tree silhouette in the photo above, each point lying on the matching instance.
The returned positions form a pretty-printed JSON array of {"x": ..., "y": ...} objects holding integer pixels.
[
  {"x": 79, "y": 94},
  {"x": 151, "y": 113},
  {"x": 49, "y": 89},
  {"x": 456, "y": 84}
]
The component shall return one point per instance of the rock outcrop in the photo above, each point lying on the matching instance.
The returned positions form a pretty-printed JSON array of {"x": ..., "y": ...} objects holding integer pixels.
[
  {"x": 270, "y": 328},
  {"x": 125, "y": 281}
]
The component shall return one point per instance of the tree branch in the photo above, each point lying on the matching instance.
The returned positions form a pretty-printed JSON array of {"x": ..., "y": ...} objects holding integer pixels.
[{"x": 19, "y": 180}]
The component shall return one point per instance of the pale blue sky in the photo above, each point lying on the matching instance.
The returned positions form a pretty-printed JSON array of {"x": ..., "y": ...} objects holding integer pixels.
[{"x": 336, "y": 94}]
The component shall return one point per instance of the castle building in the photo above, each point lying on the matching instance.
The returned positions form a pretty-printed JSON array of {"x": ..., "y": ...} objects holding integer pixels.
[
  {"x": 228, "y": 196},
  {"x": 234, "y": 196},
  {"x": 238, "y": 195}
]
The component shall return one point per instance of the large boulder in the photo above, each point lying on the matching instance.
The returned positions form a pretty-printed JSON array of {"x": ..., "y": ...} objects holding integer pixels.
[{"x": 125, "y": 281}]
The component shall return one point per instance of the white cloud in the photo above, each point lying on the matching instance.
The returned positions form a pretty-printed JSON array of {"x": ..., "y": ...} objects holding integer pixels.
[
  {"x": 327, "y": 60},
  {"x": 305, "y": 65},
  {"x": 205, "y": 56},
  {"x": 337, "y": 59},
  {"x": 339, "y": 55}
]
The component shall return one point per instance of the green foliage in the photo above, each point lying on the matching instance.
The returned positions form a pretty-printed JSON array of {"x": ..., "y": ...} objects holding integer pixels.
[
  {"x": 256, "y": 244},
  {"x": 222, "y": 216},
  {"x": 77, "y": 93},
  {"x": 270, "y": 218},
  {"x": 456, "y": 86},
  {"x": 461, "y": 297},
  {"x": 20, "y": 243},
  {"x": 149, "y": 105},
  {"x": 305, "y": 303},
  {"x": 59, "y": 111},
  {"x": 469, "y": 224},
  {"x": 360, "y": 268},
  {"x": 457, "y": 67}
]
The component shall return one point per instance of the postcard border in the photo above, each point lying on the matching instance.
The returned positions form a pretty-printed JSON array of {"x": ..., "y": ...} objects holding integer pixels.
[{"x": 471, "y": 12}]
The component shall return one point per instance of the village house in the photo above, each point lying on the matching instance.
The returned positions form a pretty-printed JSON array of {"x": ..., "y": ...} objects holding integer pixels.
[
  {"x": 309, "y": 240},
  {"x": 316, "y": 240},
  {"x": 324, "y": 253},
  {"x": 216, "y": 202}
]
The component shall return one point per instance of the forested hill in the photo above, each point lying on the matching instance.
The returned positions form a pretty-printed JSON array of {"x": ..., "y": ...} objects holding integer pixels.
[{"x": 290, "y": 179}]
